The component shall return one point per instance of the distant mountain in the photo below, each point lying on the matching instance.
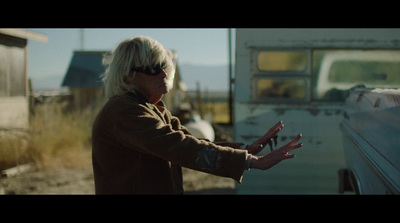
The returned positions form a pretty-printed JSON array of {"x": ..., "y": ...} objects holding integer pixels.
[{"x": 213, "y": 78}]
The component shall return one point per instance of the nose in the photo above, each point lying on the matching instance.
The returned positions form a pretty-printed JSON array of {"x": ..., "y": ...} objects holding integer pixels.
[{"x": 163, "y": 74}]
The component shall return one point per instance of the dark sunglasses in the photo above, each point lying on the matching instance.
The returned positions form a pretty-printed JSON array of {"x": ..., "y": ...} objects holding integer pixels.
[{"x": 150, "y": 70}]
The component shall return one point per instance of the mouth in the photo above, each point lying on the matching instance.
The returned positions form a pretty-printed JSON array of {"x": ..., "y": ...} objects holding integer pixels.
[{"x": 163, "y": 84}]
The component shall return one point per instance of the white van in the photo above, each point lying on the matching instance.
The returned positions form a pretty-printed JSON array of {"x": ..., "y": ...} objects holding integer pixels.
[{"x": 300, "y": 76}]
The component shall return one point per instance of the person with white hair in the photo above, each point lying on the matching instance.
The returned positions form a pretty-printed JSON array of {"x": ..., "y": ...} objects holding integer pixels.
[{"x": 138, "y": 147}]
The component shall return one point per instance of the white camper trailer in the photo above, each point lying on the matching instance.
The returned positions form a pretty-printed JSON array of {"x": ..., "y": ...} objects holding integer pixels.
[{"x": 300, "y": 76}]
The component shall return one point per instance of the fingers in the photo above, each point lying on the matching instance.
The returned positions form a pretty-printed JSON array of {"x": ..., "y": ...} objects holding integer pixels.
[
  {"x": 298, "y": 137},
  {"x": 274, "y": 129},
  {"x": 290, "y": 148},
  {"x": 272, "y": 134},
  {"x": 276, "y": 125},
  {"x": 276, "y": 156},
  {"x": 277, "y": 130},
  {"x": 291, "y": 145}
]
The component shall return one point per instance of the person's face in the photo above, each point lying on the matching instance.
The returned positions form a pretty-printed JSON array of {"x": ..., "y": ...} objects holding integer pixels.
[{"x": 151, "y": 85}]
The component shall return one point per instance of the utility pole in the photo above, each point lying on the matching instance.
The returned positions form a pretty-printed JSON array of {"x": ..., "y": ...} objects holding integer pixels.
[
  {"x": 230, "y": 81},
  {"x": 82, "y": 37}
]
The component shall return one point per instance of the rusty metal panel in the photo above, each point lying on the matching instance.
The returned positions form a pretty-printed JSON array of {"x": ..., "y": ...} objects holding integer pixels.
[{"x": 314, "y": 169}]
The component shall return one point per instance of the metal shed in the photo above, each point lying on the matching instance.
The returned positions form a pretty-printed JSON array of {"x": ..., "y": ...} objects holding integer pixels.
[{"x": 14, "y": 84}]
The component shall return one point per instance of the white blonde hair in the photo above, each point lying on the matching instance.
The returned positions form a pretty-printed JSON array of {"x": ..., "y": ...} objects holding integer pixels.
[{"x": 138, "y": 52}]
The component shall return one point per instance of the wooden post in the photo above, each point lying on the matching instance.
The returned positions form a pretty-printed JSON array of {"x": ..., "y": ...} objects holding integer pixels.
[
  {"x": 17, "y": 170},
  {"x": 199, "y": 100}
]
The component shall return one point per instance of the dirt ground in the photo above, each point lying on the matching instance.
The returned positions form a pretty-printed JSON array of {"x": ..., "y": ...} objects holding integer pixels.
[{"x": 80, "y": 181}]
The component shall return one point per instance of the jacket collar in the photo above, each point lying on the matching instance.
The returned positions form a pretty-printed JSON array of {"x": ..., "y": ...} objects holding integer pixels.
[{"x": 136, "y": 94}]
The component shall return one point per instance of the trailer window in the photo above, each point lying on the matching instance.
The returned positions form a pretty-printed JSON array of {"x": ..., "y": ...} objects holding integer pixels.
[
  {"x": 336, "y": 71},
  {"x": 282, "y": 61},
  {"x": 367, "y": 72},
  {"x": 281, "y": 88}
]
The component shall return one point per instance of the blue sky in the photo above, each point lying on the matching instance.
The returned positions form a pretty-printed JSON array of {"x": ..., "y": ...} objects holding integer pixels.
[{"x": 194, "y": 46}]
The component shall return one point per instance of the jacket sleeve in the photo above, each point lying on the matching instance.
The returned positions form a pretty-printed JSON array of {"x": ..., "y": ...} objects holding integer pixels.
[
  {"x": 235, "y": 145},
  {"x": 176, "y": 125},
  {"x": 141, "y": 129}
]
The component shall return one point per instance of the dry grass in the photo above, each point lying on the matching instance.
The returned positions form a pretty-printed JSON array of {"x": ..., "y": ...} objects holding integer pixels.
[
  {"x": 12, "y": 149},
  {"x": 57, "y": 139}
]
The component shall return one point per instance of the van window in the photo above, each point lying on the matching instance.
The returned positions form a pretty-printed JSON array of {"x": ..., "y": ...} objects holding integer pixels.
[
  {"x": 367, "y": 72},
  {"x": 281, "y": 88},
  {"x": 282, "y": 61},
  {"x": 336, "y": 71}
]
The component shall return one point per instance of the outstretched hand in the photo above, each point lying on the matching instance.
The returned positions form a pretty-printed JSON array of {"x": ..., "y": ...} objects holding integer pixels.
[
  {"x": 272, "y": 133},
  {"x": 269, "y": 160}
]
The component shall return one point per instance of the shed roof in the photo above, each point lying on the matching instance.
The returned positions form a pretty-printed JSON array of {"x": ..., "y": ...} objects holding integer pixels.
[
  {"x": 85, "y": 69},
  {"x": 24, "y": 34}
]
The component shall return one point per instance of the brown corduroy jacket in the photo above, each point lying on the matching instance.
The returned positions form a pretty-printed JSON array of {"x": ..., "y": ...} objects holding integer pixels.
[{"x": 139, "y": 148}]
